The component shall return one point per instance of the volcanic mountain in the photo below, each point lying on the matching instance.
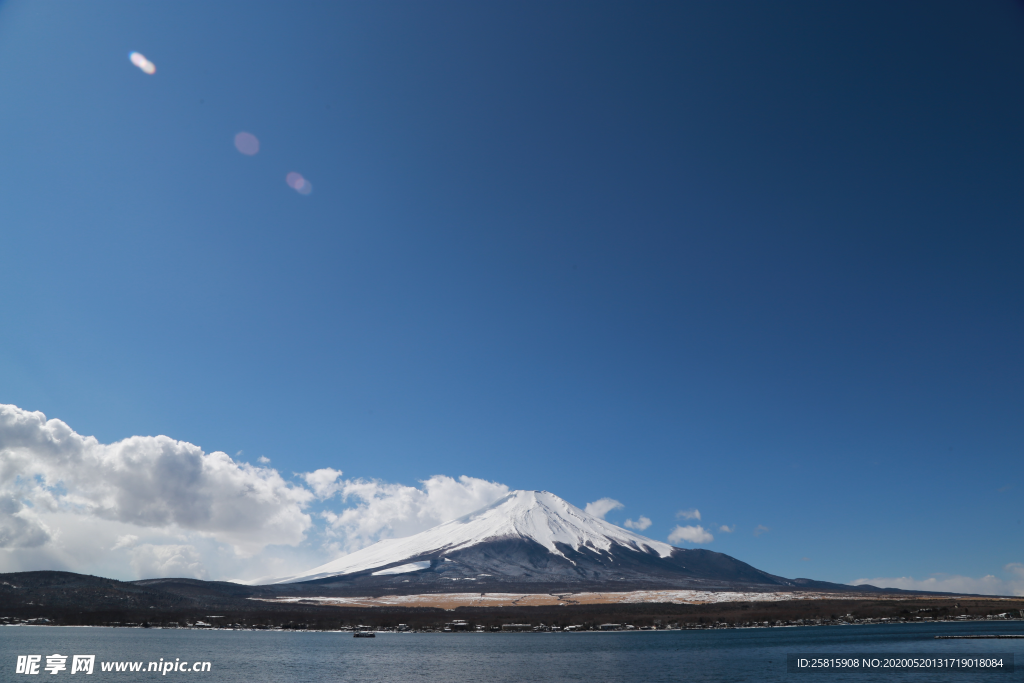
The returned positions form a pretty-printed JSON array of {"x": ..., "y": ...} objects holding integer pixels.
[{"x": 533, "y": 541}]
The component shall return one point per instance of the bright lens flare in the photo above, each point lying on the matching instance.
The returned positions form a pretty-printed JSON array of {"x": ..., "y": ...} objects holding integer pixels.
[
  {"x": 298, "y": 183},
  {"x": 140, "y": 61},
  {"x": 247, "y": 143}
]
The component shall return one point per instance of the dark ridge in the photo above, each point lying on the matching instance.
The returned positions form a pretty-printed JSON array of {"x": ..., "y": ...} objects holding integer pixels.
[{"x": 64, "y": 598}]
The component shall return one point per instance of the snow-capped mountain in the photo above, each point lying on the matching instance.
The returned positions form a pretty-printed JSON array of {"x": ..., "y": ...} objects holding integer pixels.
[
  {"x": 535, "y": 540},
  {"x": 537, "y": 516}
]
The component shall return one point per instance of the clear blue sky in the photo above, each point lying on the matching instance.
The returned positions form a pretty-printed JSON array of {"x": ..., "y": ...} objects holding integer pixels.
[{"x": 761, "y": 259}]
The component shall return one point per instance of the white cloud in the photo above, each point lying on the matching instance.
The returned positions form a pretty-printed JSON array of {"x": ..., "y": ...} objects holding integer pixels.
[
  {"x": 145, "y": 481},
  {"x": 154, "y": 506},
  {"x": 726, "y": 529},
  {"x": 688, "y": 514},
  {"x": 324, "y": 482},
  {"x": 20, "y": 527},
  {"x": 600, "y": 508},
  {"x": 691, "y": 534},
  {"x": 125, "y": 541},
  {"x": 394, "y": 510},
  {"x": 990, "y": 584},
  {"x": 167, "y": 561},
  {"x": 761, "y": 529},
  {"x": 640, "y": 524},
  {"x": 263, "y": 460}
]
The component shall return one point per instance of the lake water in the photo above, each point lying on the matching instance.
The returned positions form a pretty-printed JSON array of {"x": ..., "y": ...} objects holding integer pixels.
[{"x": 755, "y": 655}]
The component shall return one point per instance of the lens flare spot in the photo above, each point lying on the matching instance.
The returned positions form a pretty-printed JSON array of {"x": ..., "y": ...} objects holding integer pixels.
[
  {"x": 247, "y": 143},
  {"x": 298, "y": 183},
  {"x": 139, "y": 60}
]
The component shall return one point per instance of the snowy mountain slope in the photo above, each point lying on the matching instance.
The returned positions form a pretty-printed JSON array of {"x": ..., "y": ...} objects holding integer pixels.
[
  {"x": 538, "y": 516},
  {"x": 530, "y": 538}
]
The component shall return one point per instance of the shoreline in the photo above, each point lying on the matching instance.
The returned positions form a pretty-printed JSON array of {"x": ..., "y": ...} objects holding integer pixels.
[
  {"x": 693, "y": 627},
  {"x": 451, "y": 601}
]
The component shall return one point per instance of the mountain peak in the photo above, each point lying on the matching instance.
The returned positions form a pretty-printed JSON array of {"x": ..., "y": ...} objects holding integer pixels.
[{"x": 540, "y": 517}]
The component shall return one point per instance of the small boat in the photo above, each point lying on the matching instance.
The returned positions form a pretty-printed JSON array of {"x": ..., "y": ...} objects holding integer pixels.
[{"x": 364, "y": 634}]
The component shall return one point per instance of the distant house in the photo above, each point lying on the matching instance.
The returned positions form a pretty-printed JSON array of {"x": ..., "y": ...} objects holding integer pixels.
[{"x": 517, "y": 627}]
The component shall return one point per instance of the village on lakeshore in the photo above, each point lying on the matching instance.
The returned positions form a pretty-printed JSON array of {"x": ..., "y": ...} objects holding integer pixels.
[{"x": 465, "y": 626}]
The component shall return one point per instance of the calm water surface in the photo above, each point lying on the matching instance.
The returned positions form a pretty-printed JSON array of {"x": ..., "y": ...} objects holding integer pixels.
[{"x": 755, "y": 655}]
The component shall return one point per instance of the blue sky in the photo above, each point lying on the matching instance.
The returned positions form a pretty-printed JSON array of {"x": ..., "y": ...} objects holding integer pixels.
[{"x": 762, "y": 260}]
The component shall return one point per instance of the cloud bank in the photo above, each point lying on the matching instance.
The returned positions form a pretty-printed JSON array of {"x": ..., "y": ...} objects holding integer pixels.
[
  {"x": 144, "y": 481},
  {"x": 990, "y": 584},
  {"x": 384, "y": 510},
  {"x": 163, "y": 561},
  {"x": 155, "y": 507}
]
